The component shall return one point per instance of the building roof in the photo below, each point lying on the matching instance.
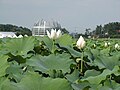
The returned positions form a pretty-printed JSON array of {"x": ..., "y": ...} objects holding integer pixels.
[
  {"x": 7, "y": 34},
  {"x": 46, "y": 24}
]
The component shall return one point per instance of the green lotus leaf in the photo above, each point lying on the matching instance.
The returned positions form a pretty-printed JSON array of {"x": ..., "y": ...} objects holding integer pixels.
[
  {"x": 92, "y": 54},
  {"x": 81, "y": 86},
  {"x": 48, "y": 42},
  {"x": 36, "y": 82},
  {"x": 3, "y": 65},
  {"x": 110, "y": 85},
  {"x": 85, "y": 85},
  {"x": 3, "y": 81},
  {"x": 91, "y": 73},
  {"x": 20, "y": 46},
  {"x": 65, "y": 40},
  {"x": 92, "y": 79},
  {"x": 55, "y": 73},
  {"x": 73, "y": 52},
  {"x": 15, "y": 71},
  {"x": 105, "y": 51},
  {"x": 106, "y": 62},
  {"x": 51, "y": 62},
  {"x": 73, "y": 77}
]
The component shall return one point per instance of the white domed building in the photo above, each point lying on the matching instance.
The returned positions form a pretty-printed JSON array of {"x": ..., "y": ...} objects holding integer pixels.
[{"x": 39, "y": 28}]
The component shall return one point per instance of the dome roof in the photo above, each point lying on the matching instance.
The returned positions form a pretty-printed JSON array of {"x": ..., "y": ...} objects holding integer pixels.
[{"x": 47, "y": 24}]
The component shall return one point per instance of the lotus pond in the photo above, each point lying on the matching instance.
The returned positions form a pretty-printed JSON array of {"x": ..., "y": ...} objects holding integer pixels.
[{"x": 39, "y": 63}]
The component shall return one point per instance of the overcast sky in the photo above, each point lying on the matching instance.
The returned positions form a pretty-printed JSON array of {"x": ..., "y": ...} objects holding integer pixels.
[{"x": 74, "y": 15}]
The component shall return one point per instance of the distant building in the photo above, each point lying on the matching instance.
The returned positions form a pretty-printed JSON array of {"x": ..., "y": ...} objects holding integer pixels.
[
  {"x": 7, "y": 34},
  {"x": 39, "y": 28}
]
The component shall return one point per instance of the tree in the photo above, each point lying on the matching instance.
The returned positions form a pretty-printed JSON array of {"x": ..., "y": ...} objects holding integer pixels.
[
  {"x": 112, "y": 28},
  {"x": 87, "y": 31},
  {"x": 108, "y": 30},
  {"x": 16, "y": 29},
  {"x": 98, "y": 30}
]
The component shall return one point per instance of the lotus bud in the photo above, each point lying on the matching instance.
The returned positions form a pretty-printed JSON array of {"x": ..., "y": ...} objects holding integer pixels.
[
  {"x": 94, "y": 45},
  {"x": 117, "y": 46},
  {"x": 80, "y": 43},
  {"x": 106, "y": 44}
]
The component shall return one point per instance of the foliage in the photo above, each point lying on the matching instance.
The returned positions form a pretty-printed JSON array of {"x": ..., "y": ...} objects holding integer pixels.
[
  {"x": 39, "y": 63},
  {"x": 16, "y": 29},
  {"x": 108, "y": 30}
]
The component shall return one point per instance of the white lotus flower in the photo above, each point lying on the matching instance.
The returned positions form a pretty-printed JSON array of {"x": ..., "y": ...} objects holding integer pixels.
[
  {"x": 80, "y": 43},
  {"x": 94, "y": 45},
  {"x": 20, "y": 36},
  {"x": 116, "y": 46},
  {"x": 54, "y": 34},
  {"x": 106, "y": 44},
  {"x": 59, "y": 34}
]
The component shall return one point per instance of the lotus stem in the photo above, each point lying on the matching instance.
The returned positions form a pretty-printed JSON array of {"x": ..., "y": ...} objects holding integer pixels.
[
  {"x": 53, "y": 46},
  {"x": 81, "y": 70}
]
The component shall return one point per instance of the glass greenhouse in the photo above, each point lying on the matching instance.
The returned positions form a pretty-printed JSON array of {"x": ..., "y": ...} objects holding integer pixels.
[{"x": 39, "y": 28}]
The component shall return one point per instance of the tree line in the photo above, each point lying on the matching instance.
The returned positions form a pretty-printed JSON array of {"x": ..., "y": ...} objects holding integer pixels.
[
  {"x": 107, "y": 30},
  {"x": 13, "y": 28}
]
